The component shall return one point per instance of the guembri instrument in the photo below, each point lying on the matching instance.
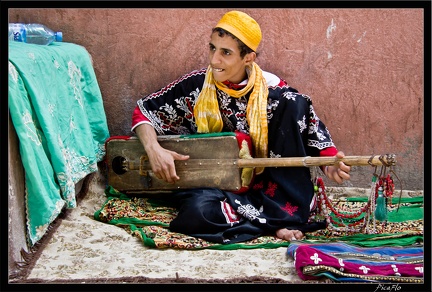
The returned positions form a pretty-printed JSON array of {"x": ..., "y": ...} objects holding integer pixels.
[{"x": 214, "y": 162}]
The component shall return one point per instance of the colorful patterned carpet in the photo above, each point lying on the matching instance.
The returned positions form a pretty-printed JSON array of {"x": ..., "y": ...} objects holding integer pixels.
[
  {"x": 112, "y": 238},
  {"x": 148, "y": 219}
]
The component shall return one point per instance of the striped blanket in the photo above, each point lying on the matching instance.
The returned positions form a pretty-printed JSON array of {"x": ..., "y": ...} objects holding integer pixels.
[{"x": 344, "y": 262}]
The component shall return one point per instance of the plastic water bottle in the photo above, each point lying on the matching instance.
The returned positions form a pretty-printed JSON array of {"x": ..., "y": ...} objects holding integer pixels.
[{"x": 33, "y": 33}]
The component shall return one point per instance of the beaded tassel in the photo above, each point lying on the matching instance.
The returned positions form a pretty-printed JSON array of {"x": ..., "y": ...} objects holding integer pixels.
[
  {"x": 372, "y": 205},
  {"x": 382, "y": 188},
  {"x": 381, "y": 208},
  {"x": 326, "y": 208}
]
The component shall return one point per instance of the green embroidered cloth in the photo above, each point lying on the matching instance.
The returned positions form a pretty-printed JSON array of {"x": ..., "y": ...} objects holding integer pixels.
[{"x": 56, "y": 107}]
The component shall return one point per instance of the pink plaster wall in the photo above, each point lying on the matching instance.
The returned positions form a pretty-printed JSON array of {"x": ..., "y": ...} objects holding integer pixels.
[{"x": 363, "y": 68}]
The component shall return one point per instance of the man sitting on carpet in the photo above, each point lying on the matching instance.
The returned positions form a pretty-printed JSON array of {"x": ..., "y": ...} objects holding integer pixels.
[{"x": 234, "y": 95}]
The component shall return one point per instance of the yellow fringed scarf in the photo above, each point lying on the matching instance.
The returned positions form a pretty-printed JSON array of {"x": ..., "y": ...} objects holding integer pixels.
[{"x": 208, "y": 117}]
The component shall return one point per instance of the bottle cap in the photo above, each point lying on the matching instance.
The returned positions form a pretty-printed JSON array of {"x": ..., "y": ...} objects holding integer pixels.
[{"x": 59, "y": 36}]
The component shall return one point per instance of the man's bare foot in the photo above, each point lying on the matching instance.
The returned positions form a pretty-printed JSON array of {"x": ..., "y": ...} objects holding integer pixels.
[{"x": 289, "y": 235}]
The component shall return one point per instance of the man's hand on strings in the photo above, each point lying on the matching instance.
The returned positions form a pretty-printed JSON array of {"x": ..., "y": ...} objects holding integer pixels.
[
  {"x": 161, "y": 159},
  {"x": 162, "y": 163},
  {"x": 339, "y": 172}
]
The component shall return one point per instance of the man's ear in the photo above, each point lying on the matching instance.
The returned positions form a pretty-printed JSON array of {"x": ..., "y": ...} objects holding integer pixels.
[{"x": 250, "y": 58}]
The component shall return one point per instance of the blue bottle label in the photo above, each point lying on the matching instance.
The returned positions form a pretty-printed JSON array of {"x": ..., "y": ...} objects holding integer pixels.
[{"x": 18, "y": 34}]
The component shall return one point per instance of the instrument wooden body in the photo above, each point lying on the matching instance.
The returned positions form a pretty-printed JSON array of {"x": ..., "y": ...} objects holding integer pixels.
[
  {"x": 210, "y": 164},
  {"x": 213, "y": 162}
]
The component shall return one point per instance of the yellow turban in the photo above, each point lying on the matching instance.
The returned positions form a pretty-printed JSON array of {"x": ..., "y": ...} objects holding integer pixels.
[{"x": 244, "y": 27}]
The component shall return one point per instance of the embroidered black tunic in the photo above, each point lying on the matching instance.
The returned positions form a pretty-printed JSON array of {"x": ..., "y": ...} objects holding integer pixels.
[{"x": 279, "y": 197}]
